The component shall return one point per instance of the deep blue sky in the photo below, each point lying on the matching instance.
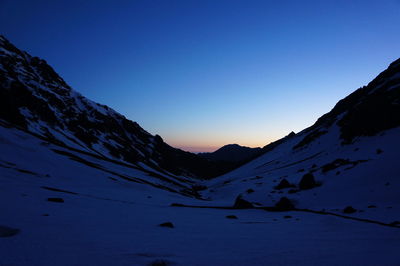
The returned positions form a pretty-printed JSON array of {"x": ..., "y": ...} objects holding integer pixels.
[{"x": 207, "y": 73}]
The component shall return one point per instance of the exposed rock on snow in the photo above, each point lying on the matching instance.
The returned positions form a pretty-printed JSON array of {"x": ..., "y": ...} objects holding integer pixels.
[
  {"x": 59, "y": 200},
  {"x": 6, "y": 231},
  {"x": 349, "y": 210},
  {"x": 307, "y": 182},
  {"x": 241, "y": 203},
  {"x": 284, "y": 184},
  {"x": 167, "y": 224},
  {"x": 284, "y": 204}
]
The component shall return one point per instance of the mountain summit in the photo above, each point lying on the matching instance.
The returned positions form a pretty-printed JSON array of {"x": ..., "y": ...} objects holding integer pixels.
[{"x": 232, "y": 153}]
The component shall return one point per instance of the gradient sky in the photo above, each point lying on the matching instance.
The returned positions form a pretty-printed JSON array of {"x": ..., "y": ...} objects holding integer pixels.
[{"x": 203, "y": 74}]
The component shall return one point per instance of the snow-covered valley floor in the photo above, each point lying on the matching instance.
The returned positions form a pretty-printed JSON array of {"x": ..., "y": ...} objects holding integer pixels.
[
  {"x": 112, "y": 221},
  {"x": 90, "y": 231}
]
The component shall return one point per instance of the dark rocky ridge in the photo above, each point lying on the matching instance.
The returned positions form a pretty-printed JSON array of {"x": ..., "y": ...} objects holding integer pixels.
[
  {"x": 232, "y": 153},
  {"x": 34, "y": 98},
  {"x": 365, "y": 112}
]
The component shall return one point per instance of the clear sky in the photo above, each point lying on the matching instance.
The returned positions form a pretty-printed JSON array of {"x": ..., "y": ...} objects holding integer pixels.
[{"x": 203, "y": 74}]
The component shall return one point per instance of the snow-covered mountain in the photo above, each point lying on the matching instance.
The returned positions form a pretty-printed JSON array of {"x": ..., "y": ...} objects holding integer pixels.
[
  {"x": 82, "y": 185},
  {"x": 34, "y": 98},
  {"x": 349, "y": 157}
]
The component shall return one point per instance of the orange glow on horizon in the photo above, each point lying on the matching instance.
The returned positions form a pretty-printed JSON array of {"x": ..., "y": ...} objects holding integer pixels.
[
  {"x": 200, "y": 141},
  {"x": 211, "y": 148}
]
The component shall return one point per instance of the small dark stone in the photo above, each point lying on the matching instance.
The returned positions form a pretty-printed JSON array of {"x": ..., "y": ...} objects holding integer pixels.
[
  {"x": 313, "y": 166},
  {"x": 6, "y": 231},
  {"x": 149, "y": 197},
  {"x": 240, "y": 203},
  {"x": 167, "y": 224},
  {"x": 379, "y": 151},
  {"x": 371, "y": 206},
  {"x": 292, "y": 191},
  {"x": 45, "y": 214},
  {"x": 338, "y": 173},
  {"x": 283, "y": 184},
  {"x": 349, "y": 209},
  {"x": 250, "y": 190},
  {"x": 159, "y": 263},
  {"x": 176, "y": 205},
  {"x": 387, "y": 184},
  {"x": 231, "y": 216},
  {"x": 59, "y": 200},
  {"x": 227, "y": 182},
  {"x": 300, "y": 170},
  {"x": 307, "y": 181},
  {"x": 284, "y": 204},
  {"x": 287, "y": 216}
]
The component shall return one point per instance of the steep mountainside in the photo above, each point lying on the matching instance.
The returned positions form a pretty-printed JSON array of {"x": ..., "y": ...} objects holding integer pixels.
[
  {"x": 36, "y": 99},
  {"x": 349, "y": 157},
  {"x": 232, "y": 153}
]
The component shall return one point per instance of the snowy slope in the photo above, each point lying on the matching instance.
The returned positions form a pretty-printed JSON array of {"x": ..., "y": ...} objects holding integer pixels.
[
  {"x": 352, "y": 152},
  {"x": 109, "y": 219}
]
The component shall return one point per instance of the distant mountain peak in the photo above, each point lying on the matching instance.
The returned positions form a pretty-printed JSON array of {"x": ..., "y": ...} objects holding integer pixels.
[{"x": 232, "y": 153}]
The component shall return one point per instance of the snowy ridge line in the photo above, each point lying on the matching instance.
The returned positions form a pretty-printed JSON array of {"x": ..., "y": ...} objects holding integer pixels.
[{"x": 274, "y": 209}]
